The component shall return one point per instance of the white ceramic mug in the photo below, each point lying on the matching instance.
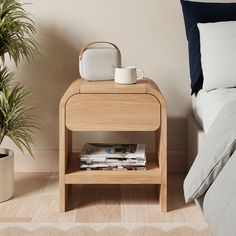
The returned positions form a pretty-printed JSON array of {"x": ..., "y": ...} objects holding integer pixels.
[{"x": 127, "y": 75}]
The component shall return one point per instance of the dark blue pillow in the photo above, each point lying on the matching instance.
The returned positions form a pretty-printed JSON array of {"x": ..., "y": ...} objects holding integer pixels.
[{"x": 202, "y": 12}]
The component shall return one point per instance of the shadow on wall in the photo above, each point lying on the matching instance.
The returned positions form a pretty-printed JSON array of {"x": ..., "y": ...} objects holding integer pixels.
[
  {"x": 48, "y": 78},
  {"x": 177, "y": 134},
  {"x": 177, "y": 144}
]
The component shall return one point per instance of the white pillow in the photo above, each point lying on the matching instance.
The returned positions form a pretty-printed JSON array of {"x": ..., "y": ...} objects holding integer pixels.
[{"x": 218, "y": 54}]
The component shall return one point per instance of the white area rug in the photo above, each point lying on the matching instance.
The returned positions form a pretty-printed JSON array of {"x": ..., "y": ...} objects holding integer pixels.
[{"x": 22, "y": 229}]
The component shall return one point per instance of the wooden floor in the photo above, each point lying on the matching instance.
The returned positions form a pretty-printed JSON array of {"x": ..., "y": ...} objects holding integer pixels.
[{"x": 36, "y": 200}]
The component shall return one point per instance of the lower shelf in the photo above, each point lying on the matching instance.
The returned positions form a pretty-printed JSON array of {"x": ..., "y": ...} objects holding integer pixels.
[{"x": 150, "y": 176}]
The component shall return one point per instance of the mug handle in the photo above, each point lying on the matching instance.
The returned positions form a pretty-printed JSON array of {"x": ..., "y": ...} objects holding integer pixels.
[{"x": 142, "y": 74}]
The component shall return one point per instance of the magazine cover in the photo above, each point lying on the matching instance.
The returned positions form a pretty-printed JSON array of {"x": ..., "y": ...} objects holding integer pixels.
[
  {"x": 113, "y": 156},
  {"x": 104, "y": 151}
]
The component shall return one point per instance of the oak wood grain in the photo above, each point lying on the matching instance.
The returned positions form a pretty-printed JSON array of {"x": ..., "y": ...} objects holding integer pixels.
[
  {"x": 150, "y": 176},
  {"x": 112, "y": 112},
  {"x": 106, "y": 106}
]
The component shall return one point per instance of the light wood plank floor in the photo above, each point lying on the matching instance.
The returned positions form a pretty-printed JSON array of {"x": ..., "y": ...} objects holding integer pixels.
[{"x": 36, "y": 200}]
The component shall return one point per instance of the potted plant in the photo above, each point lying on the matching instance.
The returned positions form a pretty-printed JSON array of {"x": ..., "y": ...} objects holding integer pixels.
[{"x": 16, "y": 122}]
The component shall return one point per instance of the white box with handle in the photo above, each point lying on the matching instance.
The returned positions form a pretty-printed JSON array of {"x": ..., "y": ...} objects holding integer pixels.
[{"x": 99, "y": 62}]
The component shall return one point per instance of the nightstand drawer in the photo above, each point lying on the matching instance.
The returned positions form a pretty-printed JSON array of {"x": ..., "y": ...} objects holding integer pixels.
[{"x": 112, "y": 112}]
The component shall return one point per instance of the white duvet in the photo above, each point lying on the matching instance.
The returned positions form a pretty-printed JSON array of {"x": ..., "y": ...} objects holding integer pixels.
[
  {"x": 212, "y": 174},
  {"x": 207, "y": 105}
]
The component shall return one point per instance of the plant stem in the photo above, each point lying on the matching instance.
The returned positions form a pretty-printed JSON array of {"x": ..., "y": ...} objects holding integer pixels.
[{"x": 1, "y": 137}]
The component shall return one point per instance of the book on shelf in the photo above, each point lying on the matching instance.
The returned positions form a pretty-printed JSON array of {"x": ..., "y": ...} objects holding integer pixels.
[{"x": 113, "y": 156}]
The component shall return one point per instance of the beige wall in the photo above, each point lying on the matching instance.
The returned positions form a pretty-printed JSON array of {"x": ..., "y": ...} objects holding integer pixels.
[{"x": 151, "y": 36}]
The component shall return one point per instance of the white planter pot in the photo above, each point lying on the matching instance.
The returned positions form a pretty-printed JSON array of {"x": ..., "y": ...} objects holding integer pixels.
[{"x": 6, "y": 175}]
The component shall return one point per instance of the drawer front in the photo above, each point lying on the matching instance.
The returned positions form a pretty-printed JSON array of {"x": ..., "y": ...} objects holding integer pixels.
[{"x": 112, "y": 112}]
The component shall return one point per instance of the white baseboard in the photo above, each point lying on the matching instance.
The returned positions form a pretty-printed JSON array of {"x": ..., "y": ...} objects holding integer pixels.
[{"x": 47, "y": 161}]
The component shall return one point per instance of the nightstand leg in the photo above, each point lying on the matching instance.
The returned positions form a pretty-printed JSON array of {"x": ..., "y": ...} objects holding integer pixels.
[
  {"x": 163, "y": 196},
  {"x": 63, "y": 197},
  {"x": 65, "y": 149},
  {"x": 161, "y": 144},
  {"x": 163, "y": 186}
]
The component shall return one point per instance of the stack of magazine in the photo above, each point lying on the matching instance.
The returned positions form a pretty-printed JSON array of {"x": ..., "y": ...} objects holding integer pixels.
[{"x": 95, "y": 156}]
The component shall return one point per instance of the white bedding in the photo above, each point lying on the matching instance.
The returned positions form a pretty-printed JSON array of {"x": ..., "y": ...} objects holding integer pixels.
[{"x": 206, "y": 105}]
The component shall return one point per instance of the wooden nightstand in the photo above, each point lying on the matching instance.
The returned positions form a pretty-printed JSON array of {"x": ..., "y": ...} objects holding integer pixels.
[{"x": 107, "y": 106}]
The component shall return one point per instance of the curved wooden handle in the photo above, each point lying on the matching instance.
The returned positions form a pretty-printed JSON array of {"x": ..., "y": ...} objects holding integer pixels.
[{"x": 97, "y": 42}]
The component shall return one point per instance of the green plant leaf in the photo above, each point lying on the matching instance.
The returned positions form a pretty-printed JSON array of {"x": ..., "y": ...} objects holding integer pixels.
[
  {"x": 5, "y": 77},
  {"x": 16, "y": 32},
  {"x": 16, "y": 119}
]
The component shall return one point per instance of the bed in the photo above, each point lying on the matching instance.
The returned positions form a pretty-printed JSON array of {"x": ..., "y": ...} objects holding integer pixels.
[
  {"x": 217, "y": 201},
  {"x": 206, "y": 106},
  {"x": 211, "y": 178}
]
